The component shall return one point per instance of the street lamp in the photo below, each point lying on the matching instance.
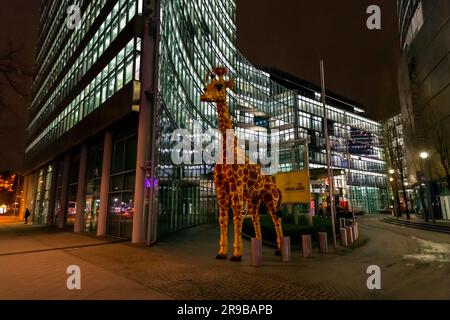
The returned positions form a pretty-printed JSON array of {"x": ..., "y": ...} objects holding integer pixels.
[
  {"x": 424, "y": 156},
  {"x": 397, "y": 206}
]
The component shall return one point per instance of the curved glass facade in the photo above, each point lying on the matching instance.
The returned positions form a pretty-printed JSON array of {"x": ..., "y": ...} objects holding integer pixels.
[
  {"x": 410, "y": 20},
  {"x": 199, "y": 34},
  {"x": 86, "y": 96}
]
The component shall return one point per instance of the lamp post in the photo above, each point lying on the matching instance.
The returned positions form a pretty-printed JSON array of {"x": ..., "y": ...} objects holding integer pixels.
[
  {"x": 397, "y": 204},
  {"x": 424, "y": 157},
  {"x": 328, "y": 152}
]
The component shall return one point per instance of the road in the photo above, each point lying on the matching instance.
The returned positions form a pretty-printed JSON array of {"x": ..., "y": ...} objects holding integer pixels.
[{"x": 415, "y": 264}]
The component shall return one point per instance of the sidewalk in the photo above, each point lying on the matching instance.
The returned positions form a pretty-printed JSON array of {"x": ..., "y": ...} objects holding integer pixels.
[{"x": 33, "y": 262}]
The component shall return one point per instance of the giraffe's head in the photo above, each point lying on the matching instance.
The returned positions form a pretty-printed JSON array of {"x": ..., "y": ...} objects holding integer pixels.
[{"x": 216, "y": 89}]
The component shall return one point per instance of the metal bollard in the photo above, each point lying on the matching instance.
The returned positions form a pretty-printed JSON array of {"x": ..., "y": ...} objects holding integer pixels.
[
  {"x": 356, "y": 231},
  {"x": 257, "y": 252},
  {"x": 286, "y": 249},
  {"x": 343, "y": 233},
  {"x": 341, "y": 223},
  {"x": 306, "y": 246},
  {"x": 349, "y": 235},
  {"x": 323, "y": 242}
]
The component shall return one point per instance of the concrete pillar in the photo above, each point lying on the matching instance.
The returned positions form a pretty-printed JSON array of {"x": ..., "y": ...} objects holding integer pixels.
[
  {"x": 306, "y": 246},
  {"x": 349, "y": 235},
  {"x": 81, "y": 191},
  {"x": 31, "y": 196},
  {"x": 23, "y": 200},
  {"x": 343, "y": 236},
  {"x": 104, "y": 186},
  {"x": 52, "y": 198},
  {"x": 286, "y": 249},
  {"x": 64, "y": 192},
  {"x": 148, "y": 101},
  {"x": 323, "y": 242},
  {"x": 257, "y": 259}
]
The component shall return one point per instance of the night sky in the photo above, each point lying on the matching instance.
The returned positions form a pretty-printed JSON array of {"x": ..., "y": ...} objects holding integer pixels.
[
  {"x": 290, "y": 35},
  {"x": 19, "y": 24},
  {"x": 293, "y": 35}
]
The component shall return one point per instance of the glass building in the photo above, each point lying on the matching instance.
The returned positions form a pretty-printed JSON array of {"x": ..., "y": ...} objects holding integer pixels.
[
  {"x": 109, "y": 94},
  {"x": 424, "y": 91}
]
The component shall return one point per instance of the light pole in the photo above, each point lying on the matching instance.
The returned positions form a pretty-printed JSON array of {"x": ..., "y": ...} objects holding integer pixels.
[
  {"x": 328, "y": 152},
  {"x": 424, "y": 157},
  {"x": 397, "y": 204}
]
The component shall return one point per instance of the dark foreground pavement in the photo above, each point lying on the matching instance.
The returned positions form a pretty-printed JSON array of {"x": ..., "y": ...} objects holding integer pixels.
[{"x": 415, "y": 264}]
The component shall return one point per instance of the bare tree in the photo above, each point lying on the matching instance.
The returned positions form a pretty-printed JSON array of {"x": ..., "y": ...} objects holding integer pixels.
[
  {"x": 14, "y": 77},
  {"x": 440, "y": 143},
  {"x": 395, "y": 157}
]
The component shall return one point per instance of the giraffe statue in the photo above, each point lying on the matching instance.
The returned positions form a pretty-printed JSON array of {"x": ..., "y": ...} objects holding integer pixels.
[{"x": 238, "y": 183}]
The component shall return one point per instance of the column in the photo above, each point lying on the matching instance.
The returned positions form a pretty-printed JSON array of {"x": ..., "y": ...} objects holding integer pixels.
[
  {"x": 52, "y": 197},
  {"x": 64, "y": 192},
  {"x": 32, "y": 194},
  {"x": 81, "y": 190},
  {"x": 147, "y": 117},
  {"x": 104, "y": 187},
  {"x": 23, "y": 200}
]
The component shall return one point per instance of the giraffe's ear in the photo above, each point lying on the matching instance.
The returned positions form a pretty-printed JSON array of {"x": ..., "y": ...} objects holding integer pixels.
[{"x": 230, "y": 84}]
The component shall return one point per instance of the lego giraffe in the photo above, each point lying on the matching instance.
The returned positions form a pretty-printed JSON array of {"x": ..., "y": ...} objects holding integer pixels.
[{"x": 238, "y": 183}]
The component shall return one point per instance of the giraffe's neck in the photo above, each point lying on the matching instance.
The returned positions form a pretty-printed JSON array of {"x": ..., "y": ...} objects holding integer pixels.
[
  {"x": 224, "y": 118},
  {"x": 224, "y": 125}
]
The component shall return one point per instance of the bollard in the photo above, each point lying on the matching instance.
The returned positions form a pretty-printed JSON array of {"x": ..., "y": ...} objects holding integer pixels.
[
  {"x": 306, "y": 246},
  {"x": 323, "y": 242},
  {"x": 341, "y": 223},
  {"x": 349, "y": 235},
  {"x": 343, "y": 233},
  {"x": 286, "y": 249},
  {"x": 356, "y": 231},
  {"x": 257, "y": 252}
]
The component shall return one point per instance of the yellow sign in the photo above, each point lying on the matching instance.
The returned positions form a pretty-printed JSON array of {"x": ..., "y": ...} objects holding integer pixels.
[{"x": 294, "y": 186}]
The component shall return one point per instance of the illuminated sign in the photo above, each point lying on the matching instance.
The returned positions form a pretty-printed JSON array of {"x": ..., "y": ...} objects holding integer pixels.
[{"x": 294, "y": 186}]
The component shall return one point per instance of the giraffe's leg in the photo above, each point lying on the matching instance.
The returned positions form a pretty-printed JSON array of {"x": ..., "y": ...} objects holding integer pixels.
[
  {"x": 254, "y": 212},
  {"x": 237, "y": 201},
  {"x": 272, "y": 201},
  {"x": 276, "y": 219},
  {"x": 223, "y": 221}
]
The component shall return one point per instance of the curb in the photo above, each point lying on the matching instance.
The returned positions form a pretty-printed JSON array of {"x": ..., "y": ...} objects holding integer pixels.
[{"x": 417, "y": 225}]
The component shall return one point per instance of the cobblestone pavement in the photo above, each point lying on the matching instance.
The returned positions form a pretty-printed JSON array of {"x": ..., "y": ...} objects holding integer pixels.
[{"x": 183, "y": 266}]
